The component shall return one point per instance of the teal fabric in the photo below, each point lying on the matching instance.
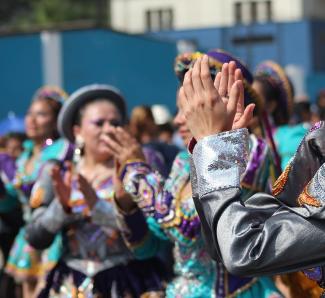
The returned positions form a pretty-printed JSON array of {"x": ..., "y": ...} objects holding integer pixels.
[{"x": 288, "y": 138}]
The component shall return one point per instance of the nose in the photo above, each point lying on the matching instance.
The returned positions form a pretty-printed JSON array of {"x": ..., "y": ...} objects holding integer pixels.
[
  {"x": 30, "y": 118},
  {"x": 179, "y": 118},
  {"x": 107, "y": 127}
]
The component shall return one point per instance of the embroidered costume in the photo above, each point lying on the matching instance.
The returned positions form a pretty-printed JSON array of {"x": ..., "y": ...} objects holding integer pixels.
[{"x": 170, "y": 212}]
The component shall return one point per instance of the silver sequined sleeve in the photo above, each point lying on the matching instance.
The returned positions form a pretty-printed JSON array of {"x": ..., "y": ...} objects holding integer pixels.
[{"x": 220, "y": 160}]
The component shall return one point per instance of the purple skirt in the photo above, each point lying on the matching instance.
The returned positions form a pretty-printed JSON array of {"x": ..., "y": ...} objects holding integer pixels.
[{"x": 135, "y": 279}]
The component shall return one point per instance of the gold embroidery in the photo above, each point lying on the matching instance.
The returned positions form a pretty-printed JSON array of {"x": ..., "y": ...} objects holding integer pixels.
[
  {"x": 306, "y": 199},
  {"x": 281, "y": 181}
]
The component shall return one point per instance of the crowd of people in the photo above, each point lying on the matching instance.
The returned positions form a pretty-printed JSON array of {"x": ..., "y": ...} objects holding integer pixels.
[{"x": 223, "y": 201}]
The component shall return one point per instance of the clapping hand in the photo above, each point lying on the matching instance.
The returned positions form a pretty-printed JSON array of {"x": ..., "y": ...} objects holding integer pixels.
[
  {"x": 123, "y": 146},
  {"x": 62, "y": 185},
  {"x": 212, "y": 107},
  {"x": 87, "y": 190}
]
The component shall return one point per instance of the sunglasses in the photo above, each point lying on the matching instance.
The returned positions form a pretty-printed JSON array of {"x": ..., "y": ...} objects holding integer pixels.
[{"x": 101, "y": 122}]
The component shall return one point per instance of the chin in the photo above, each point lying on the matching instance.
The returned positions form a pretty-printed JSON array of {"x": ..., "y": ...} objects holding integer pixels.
[
  {"x": 186, "y": 140},
  {"x": 103, "y": 154},
  {"x": 31, "y": 135}
]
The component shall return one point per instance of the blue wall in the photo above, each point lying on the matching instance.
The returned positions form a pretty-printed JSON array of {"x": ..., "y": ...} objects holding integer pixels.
[
  {"x": 297, "y": 43},
  {"x": 141, "y": 67},
  {"x": 286, "y": 43},
  {"x": 20, "y": 72}
]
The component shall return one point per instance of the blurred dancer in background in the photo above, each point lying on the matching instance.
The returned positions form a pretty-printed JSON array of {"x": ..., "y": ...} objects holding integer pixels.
[{"x": 26, "y": 264}]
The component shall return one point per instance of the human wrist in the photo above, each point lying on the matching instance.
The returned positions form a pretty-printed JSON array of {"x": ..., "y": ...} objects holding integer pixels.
[{"x": 125, "y": 203}]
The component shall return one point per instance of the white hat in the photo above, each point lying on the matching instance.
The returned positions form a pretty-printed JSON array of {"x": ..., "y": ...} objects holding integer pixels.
[{"x": 161, "y": 114}]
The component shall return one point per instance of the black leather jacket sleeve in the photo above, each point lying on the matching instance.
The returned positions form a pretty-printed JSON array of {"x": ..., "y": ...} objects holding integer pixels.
[{"x": 265, "y": 234}]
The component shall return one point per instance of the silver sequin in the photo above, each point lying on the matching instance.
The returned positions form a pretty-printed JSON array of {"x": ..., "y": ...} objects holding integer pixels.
[{"x": 220, "y": 160}]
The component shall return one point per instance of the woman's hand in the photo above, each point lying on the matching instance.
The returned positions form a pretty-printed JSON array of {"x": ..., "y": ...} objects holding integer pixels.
[
  {"x": 87, "y": 190},
  {"x": 123, "y": 146},
  {"x": 212, "y": 107},
  {"x": 122, "y": 198},
  {"x": 62, "y": 185}
]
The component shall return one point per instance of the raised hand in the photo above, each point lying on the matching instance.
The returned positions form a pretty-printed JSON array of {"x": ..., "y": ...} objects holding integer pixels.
[
  {"x": 122, "y": 198},
  {"x": 223, "y": 83},
  {"x": 87, "y": 190},
  {"x": 212, "y": 107},
  {"x": 62, "y": 185},
  {"x": 123, "y": 146}
]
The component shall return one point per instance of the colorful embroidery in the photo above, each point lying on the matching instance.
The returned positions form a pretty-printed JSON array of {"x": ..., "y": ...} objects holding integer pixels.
[
  {"x": 282, "y": 180},
  {"x": 306, "y": 199}
]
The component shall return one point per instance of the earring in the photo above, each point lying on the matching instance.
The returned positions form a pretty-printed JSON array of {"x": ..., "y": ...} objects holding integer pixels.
[{"x": 78, "y": 151}]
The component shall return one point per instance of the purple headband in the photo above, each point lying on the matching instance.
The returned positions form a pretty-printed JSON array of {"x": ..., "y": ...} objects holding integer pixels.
[
  {"x": 225, "y": 57},
  {"x": 220, "y": 57}
]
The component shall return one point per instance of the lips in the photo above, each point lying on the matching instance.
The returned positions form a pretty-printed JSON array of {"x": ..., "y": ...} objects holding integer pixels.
[{"x": 183, "y": 132}]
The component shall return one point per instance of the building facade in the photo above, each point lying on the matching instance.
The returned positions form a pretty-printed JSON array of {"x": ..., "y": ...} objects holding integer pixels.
[{"x": 138, "y": 16}]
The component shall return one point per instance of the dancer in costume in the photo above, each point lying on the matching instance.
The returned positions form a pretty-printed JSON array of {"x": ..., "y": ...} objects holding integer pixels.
[
  {"x": 26, "y": 264},
  {"x": 170, "y": 212},
  {"x": 273, "y": 85},
  {"x": 264, "y": 234},
  {"x": 96, "y": 261}
]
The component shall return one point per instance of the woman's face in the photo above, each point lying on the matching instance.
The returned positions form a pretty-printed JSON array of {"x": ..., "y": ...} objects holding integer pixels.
[
  {"x": 97, "y": 120},
  {"x": 40, "y": 121},
  {"x": 270, "y": 106},
  {"x": 180, "y": 122}
]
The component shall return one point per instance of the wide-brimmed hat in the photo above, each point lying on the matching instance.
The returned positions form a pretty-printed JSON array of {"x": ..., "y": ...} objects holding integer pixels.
[{"x": 82, "y": 96}]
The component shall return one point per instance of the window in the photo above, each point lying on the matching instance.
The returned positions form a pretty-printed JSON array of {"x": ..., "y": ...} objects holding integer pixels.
[
  {"x": 268, "y": 11},
  {"x": 253, "y": 11},
  {"x": 238, "y": 13},
  {"x": 159, "y": 19}
]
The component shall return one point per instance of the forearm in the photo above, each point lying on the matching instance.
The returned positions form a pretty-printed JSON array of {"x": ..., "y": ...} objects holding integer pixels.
[
  {"x": 160, "y": 200},
  {"x": 138, "y": 235},
  {"x": 45, "y": 224}
]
